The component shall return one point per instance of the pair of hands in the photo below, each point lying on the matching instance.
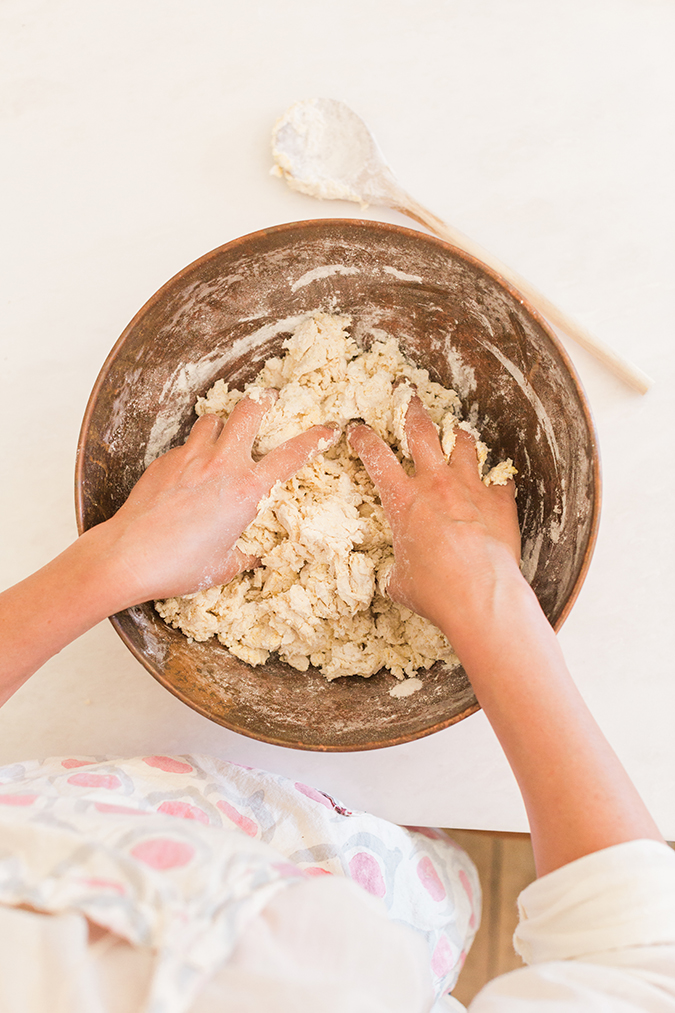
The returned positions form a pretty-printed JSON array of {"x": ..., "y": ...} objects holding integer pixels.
[
  {"x": 456, "y": 549},
  {"x": 177, "y": 531}
]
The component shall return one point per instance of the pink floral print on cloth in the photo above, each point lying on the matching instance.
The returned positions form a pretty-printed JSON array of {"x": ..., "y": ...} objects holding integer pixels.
[{"x": 179, "y": 853}]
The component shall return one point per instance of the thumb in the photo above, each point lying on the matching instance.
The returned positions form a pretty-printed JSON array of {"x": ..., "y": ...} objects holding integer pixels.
[
  {"x": 236, "y": 562},
  {"x": 283, "y": 462}
]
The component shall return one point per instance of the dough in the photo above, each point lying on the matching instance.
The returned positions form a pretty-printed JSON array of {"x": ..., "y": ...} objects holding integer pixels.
[{"x": 319, "y": 597}]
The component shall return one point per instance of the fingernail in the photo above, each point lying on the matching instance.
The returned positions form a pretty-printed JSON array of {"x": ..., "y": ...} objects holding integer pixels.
[
  {"x": 352, "y": 425},
  {"x": 258, "y": 394},
  {"x": 272, "y": 393},
  {"x": 332, "y": 425}
]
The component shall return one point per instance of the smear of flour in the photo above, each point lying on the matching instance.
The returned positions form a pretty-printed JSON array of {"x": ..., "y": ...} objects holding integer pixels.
[
  {"x": 463, "y": 375},
  {"x": 190, "y": 379},
  {"x": 402, "y": 276},
  {"x": 324, "y": 271},
  {"x": 532, "y": 397},
  {"x": 406, "y": 688},
  {"x": 120, "y": 407},
  {"x": 155, "y": 648},
  {"x": 178, "y": 392}
]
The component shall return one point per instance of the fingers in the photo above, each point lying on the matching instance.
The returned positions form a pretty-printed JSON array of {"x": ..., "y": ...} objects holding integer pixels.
[
  {"x": 463, "y": 459},
  {"x": 243, "y": 424},
  {"x": 283, "y": 462},
  {"x": 378, "y": 459},
  {"x": 422, "y": 436},
  {"x": 205, "y": 431},
  {"x": 506, "y": 491},
  {"x": 237, "y": 562}
]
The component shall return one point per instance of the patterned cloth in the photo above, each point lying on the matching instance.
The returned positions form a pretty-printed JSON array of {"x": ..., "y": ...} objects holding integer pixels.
[{"x": 180, "y": 853}]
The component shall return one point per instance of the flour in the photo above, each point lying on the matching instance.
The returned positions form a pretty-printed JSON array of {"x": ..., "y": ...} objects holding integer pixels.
[
  {"x": 319, "y": 598},
  {"x": 323, "y": 149},
  {"x": 306, "y": 143},
  {"x": 318, "y": 273},
  {"x": 406, "y": 688}
]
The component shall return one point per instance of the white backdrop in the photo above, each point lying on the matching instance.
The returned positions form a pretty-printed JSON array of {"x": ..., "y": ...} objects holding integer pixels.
[{"x": 135, "y": 138}]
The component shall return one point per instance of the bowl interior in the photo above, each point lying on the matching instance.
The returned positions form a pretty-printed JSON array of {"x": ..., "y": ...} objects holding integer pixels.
[{"x": 223, "y": 316}]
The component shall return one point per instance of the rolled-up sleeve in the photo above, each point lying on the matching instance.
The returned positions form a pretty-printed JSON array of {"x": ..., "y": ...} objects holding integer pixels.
[
  {"x": 598, "y": 934},
  {"x": 622, "y": 896}
]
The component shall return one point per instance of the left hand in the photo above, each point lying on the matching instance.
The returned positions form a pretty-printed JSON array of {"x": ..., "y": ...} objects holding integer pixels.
[
  {"x": 454, "y": 537},
  {"x": 177, "y": 531}
]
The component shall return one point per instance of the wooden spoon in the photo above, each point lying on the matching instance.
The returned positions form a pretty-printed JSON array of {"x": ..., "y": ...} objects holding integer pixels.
[{"x": 322, "y": 148}]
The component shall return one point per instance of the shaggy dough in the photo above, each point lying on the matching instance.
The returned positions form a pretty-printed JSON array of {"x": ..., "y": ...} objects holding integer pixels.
[{"x": 319, "y": 597}]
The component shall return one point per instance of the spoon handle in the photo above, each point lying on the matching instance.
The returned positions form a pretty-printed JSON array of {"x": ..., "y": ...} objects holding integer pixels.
[{"x": 621, "y": 367}]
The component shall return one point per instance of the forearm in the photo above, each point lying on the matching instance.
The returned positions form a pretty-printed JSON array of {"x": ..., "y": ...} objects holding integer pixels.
[
  {"x": 175, "y": 534},
  {"x": 456, "y": 547},
  {"x": 578, "y": 796},
  {"x": 55, "y": 605}
]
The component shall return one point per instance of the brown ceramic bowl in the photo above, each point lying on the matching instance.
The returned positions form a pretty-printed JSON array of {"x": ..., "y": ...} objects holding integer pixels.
[{"x": 223, "y": 316}]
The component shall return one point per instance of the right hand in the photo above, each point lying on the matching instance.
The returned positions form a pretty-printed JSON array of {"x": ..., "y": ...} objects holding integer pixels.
[
  {"x": 456, "y": 548},
  {"x": 177, "y": 531},
  {"x": 453, "y": 536}
]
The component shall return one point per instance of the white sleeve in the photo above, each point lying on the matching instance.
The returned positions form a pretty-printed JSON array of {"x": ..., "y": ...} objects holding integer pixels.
[{"x": 599, "y": 935}]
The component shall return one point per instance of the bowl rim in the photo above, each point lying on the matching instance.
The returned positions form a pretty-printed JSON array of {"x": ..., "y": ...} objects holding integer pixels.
[{"x": 383, "y": 227}]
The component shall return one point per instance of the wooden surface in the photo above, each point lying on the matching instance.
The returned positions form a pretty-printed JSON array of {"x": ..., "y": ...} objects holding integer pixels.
[{"x": 505, "y": 866}]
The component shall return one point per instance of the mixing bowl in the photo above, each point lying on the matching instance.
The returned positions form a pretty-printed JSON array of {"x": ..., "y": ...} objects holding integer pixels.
[{"x": 228, "y": 312}]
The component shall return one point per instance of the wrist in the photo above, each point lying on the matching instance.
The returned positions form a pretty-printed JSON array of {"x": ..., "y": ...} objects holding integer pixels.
[
  {"x": 487, "y": 602},
  {"x": 52, "y": 607},
  {"x": 111, "y": 584}
]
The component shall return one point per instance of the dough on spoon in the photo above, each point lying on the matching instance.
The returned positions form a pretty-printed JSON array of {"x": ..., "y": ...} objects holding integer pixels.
[{"x": 319, "y": 597}]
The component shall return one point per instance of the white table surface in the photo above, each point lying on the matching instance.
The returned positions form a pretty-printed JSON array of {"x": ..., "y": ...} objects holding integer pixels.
[{"x": 136, "y": 138}]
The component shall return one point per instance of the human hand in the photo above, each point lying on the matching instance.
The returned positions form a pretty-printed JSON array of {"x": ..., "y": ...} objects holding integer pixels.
[
  {"x": 177, "y": 531},
  {"x": 453, "y": 536},
  {"x": 457, "y": 548}
]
